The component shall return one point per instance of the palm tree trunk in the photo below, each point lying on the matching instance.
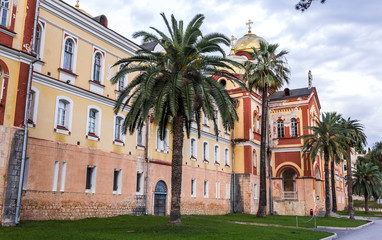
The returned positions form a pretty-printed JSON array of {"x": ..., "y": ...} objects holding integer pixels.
[
  {"x": 366, "y": 202},
  {"x": 176, "y": 170},
  {"x": 334, "y": 197},
  {"x": 262, "y": 211},
  {"x": 327, "y": 192},
  {"x": 350, "y": 190}
]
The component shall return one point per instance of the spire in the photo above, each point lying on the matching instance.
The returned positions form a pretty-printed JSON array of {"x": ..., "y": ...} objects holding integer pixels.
[
  {"x": 249, "y": 26},
  {"x": 310, "y": 79},
  {"x": 233, "y": 39},
  {"x": 78, "y": 4}
]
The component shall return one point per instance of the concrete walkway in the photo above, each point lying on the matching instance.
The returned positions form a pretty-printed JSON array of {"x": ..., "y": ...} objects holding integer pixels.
[{"x": 370, "y": 232}]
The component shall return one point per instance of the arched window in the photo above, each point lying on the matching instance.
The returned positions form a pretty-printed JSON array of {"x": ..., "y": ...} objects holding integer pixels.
[
  {"x": 193, "y": 148},
  {"x": 293, "y": 127},
  {"x": 4, "y": 10},
  {"x": 62, "y": 118},
  {"x": 289, "y": 184},
  {"x": 205, "y": 152},
  {"x": 254, "y": 158},
  {"x": 118, "y": 128},
  {"x": 63, "y": 115},
  {"x": 280, "y": 128},
  {"x": 68, "y": 54},
  {"x": 226, "y": 157},
  {"x": 255, "y": 122},
  {"x": 162, "y": 145},
  {"x": 121, "y": 81},
  {"x": 37, "y": 43},
  {"x": 97, "y": 67},
  {"x": 94, "y": 123},
  {"x": 223, "y": 83},
  {"x": 217, "y": 154}
]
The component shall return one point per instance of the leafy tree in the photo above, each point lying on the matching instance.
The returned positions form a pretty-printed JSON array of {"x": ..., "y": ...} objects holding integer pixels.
[
  {"x": 326, "y": 138},
  {"x": 356, "y": 138},
  {"x": 303, "y": 5},
  {"x": 377, "y": 151},
  {"x": 176, "y": 86},
  {"x": 267, "y": 71},
  {"x": 367, "y": 182}
]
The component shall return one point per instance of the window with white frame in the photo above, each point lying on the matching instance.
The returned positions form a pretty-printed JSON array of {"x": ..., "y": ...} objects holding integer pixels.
[
  {"x": 63, "y": 115},
  {"x": 254, "y": 156},
  {"x": 4, "y": 11},
  {"x": 117, "y": 181},
  {"x": 217, "y": 190},
  {"x": 193, "y": 148},
  {"x": 121, "y": 81},
  {"x": 162, "y": 145},
  {"x": 63, "y": 177},
  {"x": 37, "y": 43},
  {"x": 205, "y": 152},
  {"x": 90, "y": 179},
  {"x": 38, "y": 47},
  {"x": 217, "y": 120},
  {"x": 97, "y": 65},
  {"x": 193, "y": 187},
  {"x": 139, "y": 187},
  {"x": 26, "y": 174},
  {"x": 55, "y": 175},
  {"x": 255, "y": 122},
  {"x": 68, "y": 54},
  {"x": 205, "y": 120},
  {"x": 280, "y": 128},
  {"x": 205, "y": 188},
  {"x": 293, "y": 127},
  {"x": 118, "y": 136},
  {"x": 228, "y": 191},
  {"x": 217, "y": 154},
  {"x": 226, "y": 157},
  {"x": 94, "y": 123},
  {"x": 33, "y": 104},
  {"x": 255, "y": 191},
  {"x": 141, "y": 133}
]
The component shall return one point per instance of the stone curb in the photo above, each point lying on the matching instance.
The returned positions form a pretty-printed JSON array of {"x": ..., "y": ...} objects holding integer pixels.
[
  {"x": 334, "y": 236},
  {"x": 346, "y": 228}
]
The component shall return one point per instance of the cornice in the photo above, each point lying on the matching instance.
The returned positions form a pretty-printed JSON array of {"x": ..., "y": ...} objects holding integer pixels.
[
  {"x": 86, "y": 23},
  {"x": 16, "y": 55}
]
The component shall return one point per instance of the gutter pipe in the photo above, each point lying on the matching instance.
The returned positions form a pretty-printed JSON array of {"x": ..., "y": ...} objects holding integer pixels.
[{"x": 148, "y": 163}]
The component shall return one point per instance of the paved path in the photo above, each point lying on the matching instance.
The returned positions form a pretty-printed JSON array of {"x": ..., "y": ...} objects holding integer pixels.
[{"x": 372, "y": 232}]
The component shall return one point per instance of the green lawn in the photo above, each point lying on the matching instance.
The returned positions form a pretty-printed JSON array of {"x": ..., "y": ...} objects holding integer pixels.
[
  {"x": 154, "y": 227},
  {"x": 195, "y": 227},
  {"x": 362, "y": 213},
  {"x": 361, "y": 203}
]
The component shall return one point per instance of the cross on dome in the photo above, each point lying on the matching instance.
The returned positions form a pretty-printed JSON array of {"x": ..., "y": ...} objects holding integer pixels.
[
  {"x": 78, "y": 4},
  {"x": 249, "y": 25},
  {"x": 233, "y": 39}
]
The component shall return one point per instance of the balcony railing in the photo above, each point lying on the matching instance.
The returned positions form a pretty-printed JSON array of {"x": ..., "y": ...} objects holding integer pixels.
[{"x": 288, "y": 195}]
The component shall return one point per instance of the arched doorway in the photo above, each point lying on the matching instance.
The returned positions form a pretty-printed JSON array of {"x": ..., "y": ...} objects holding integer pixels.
[
  {"x": 289, "y": 184},
  {"x": 160, "y": 195}
]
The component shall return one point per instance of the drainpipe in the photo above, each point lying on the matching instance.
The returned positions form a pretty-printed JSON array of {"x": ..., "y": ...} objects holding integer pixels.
[
  {"x": 25, "y": 140},
  {"x": 233, "y": 171},
  {"x": 148, "y": 162}
]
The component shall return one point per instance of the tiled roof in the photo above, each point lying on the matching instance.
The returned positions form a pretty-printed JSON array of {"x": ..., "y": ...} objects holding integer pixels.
[{"x": 293, "y": 93}]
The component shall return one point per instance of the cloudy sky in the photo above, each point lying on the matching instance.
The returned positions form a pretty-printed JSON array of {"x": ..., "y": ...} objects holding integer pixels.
[{"x": 340, "y": 41}]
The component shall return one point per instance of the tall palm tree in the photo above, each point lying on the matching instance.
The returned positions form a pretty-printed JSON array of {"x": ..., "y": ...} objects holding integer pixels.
[
  {"x": 356, "y": 138},
  {"x": 267, "y": 71},
  {"x": 367, "y": 182},
  {"x": 327, "y": 139},
  {"x": 176, "y": 86},
  {"x": 377, "y": 151}
]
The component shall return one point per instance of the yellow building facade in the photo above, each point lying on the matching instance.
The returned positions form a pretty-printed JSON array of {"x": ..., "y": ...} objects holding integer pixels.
[{"x": 79, "y": 164}]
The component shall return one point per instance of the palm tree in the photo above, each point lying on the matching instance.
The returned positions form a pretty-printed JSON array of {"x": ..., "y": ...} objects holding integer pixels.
[
  {"x": 267, "y": 71},
  {"x": 175, "y": 86},
  {"x": 367, "y": 182},
  {"x": 377, "y": 151},
  {"x": 356, "y": 138},
  {"x": 327, "y": 139}
]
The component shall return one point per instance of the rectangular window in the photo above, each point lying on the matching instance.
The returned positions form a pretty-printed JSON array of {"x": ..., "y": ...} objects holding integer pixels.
[
  {"x": 139, "y": 182},
  {"x": 140, "y": 137},
  {"x": 206, "y": 188},
  {"x": 255, "y": 191},
  {"x": 61, "y": 119},
  {"x": 193, "y": 188},
  {"x": 63, "y": 177},
  {"x": 217, "y": 189},
  {"x": 92, "y": 121},
  {"x": 228, "y": 191},
  {"x": 90, "y": 179},
  {"x": 117, "y": 133},
  {"x": 55, "y": 175},
  {"x": 117, "y": 181},
  {"x": 26, "y": 173},
  {"x": 32, "y": 100},
  {"x": 4, "y": 9}
]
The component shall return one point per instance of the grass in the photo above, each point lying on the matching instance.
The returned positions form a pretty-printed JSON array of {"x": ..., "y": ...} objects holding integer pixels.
[
  {"x": 361, "y": 213},
  {"x": 154, "y": 227}
]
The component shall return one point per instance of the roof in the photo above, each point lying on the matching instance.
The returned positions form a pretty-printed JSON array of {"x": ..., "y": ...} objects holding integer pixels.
[
  {"x": 293, "y": 93},
  {"x": 149, "y": 46}
]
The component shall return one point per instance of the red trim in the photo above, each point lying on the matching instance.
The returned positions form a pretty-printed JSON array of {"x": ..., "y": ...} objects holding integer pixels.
[
  {"x": 247, "y": 116},
  {"x": 217, "y": 163},
  {"x": 98, "y": 83},
  {"x": 278, "y": 174},
  {"x": 4, "y": 99},
  {"x": 28, "y": 25},
  {"x": 206, "y": 161},
  {"x": 67, "y": 71},
  {"x": 62, "y": 128},
  {"x": 161, "y": 162},
  {"x": 21, "y": 95},
  {"x": 119, "y": 141}
]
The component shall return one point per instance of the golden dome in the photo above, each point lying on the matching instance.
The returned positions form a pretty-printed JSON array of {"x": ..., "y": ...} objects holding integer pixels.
[{"x": 247, "y": 42}]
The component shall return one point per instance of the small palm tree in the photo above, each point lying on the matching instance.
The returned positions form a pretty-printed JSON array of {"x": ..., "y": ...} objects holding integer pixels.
[
  {"x": 176, "y": 86},
  {"x": 267, "y": 71},
  {"x": 367, "y": 182},
  {"x": 356, "y": 138},
  {"x": 326, "y": 138}
]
